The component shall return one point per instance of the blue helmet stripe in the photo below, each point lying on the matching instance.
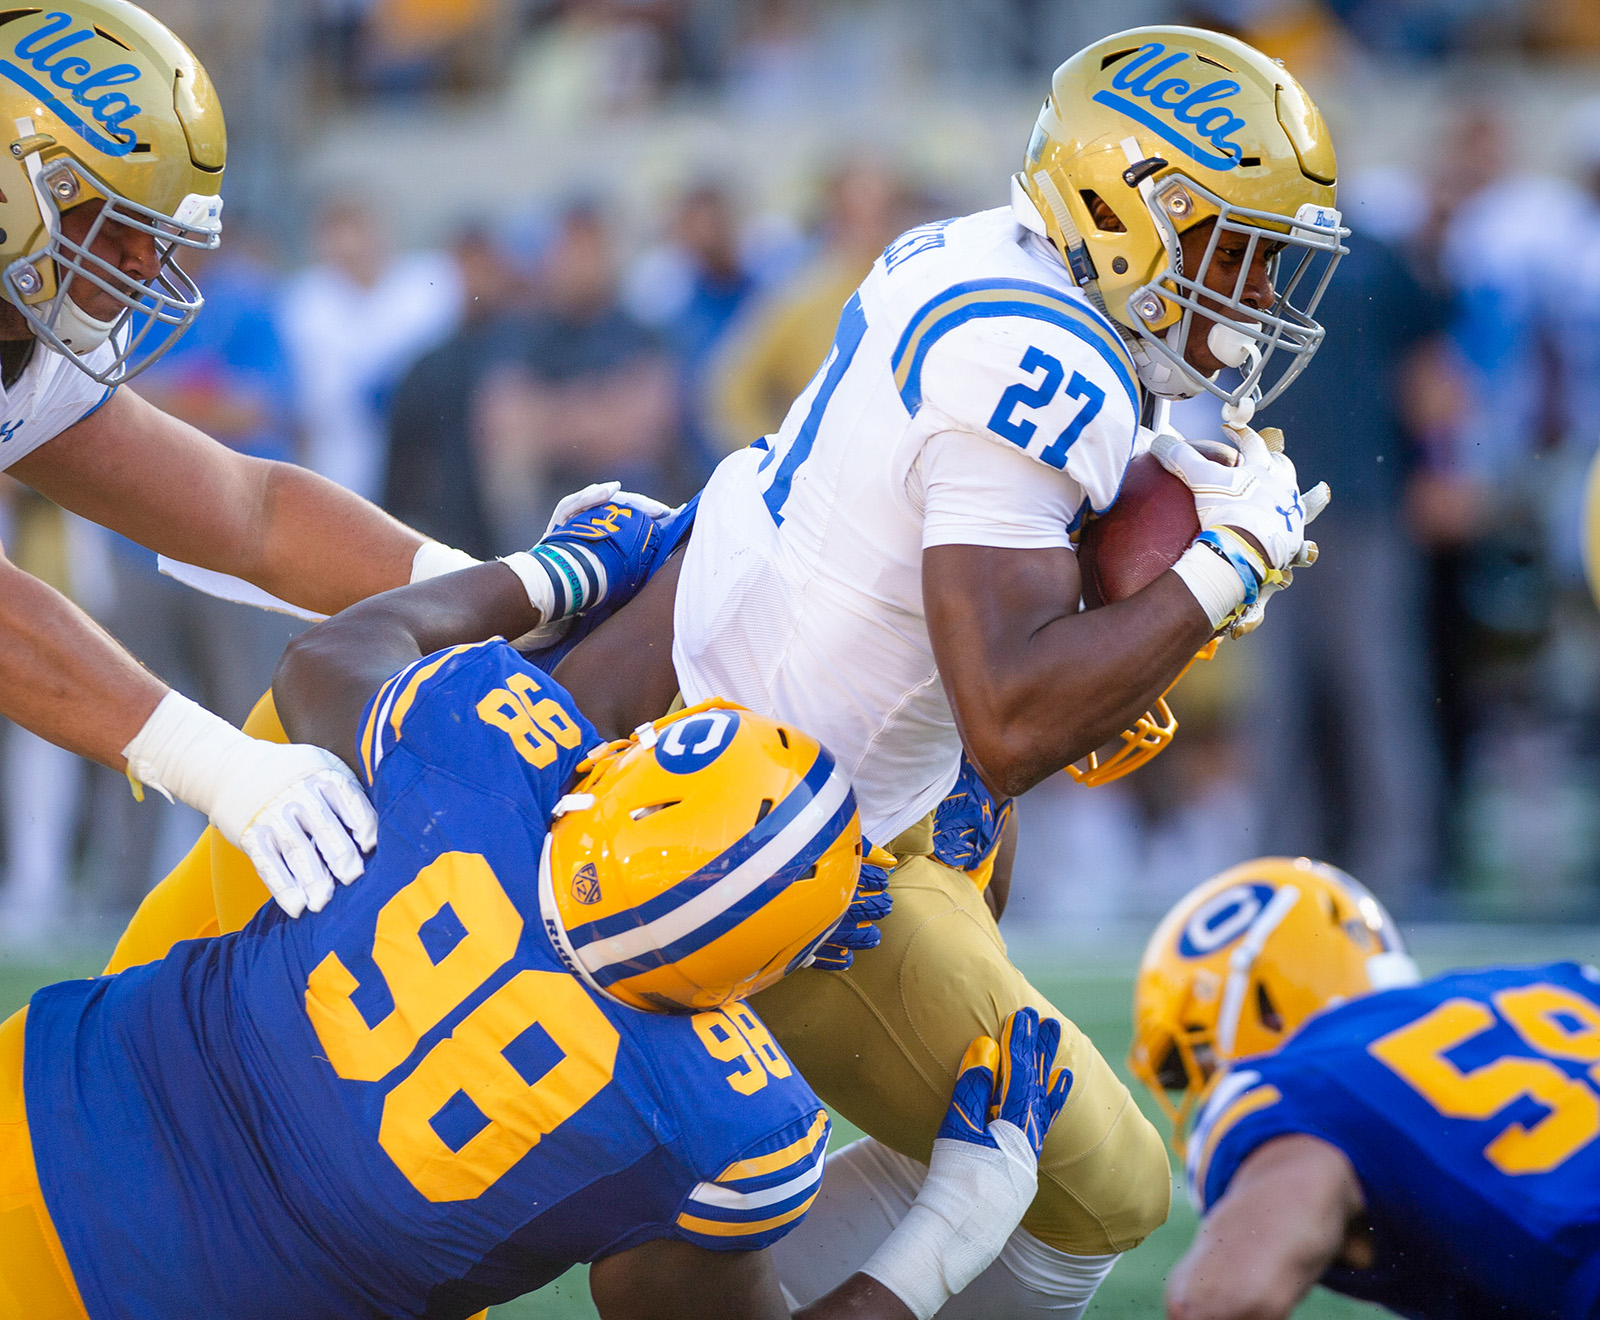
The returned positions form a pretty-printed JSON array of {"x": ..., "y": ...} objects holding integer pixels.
[
  {"x": 736, "y": 913},
  {"x": 742, "y": 850}
]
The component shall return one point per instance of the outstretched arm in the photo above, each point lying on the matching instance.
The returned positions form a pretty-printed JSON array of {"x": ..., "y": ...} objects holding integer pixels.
[
  {"x": 1290, "y": 1211},
  {"x": 160, "y": 482},
  {"x": 326, "y": 675}
]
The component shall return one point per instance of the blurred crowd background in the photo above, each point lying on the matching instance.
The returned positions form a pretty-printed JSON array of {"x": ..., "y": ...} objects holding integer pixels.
[{"x": 479, "y": 253}]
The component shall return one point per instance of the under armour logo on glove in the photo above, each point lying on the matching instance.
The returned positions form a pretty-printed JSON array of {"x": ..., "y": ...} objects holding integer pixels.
[{"x": 1289, "y": 513}]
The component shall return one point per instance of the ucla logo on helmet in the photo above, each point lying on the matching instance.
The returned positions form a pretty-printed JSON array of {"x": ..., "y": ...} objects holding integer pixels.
[
  {"x": 693, "y": 744},
  {"x": 586, "y": 884},
  {"x": 1222, "y": 919},
  {"x": 1181, "y": 105},
  {"x": 45, "y": 51}
]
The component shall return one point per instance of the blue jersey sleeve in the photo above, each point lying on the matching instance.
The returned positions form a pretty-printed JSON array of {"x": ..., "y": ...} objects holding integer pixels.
[
  {"x": 1250, "y": 1107},
  {"x": 759, "y": 1197},
  {"x": 478, "y": 711}
]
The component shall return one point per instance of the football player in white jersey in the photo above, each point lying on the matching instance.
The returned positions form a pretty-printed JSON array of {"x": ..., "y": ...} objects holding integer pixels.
[
  {"x": 893, "y": 571},
  {"x": 111, "y": 165}
]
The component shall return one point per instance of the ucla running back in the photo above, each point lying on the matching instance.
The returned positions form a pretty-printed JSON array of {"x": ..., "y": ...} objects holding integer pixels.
[
  {"x": 893, "y": 568},
  {"x": 442, "y": 1090},
  {"x": 1433, "y": 1146}
]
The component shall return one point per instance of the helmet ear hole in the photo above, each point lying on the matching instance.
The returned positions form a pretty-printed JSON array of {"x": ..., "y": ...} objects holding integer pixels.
[
  {"x": 1105, "y": 219},
  {"x": 1271, "y": 1019}
]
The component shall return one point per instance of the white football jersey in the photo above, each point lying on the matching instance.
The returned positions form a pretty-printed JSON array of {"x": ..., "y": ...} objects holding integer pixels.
[
  {"x": 972, "y": 396},
  {"x": 49, "y": 396}
]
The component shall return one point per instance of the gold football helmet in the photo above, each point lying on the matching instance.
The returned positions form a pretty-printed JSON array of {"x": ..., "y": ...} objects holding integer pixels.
[
  {"x": 699, "y": 861},
  {"x": 1243, "y": 960},
  {"x": 1150, "y": 735},
  {"x": 1171, "y": 127},
  {"x": 101, "y": 103}
]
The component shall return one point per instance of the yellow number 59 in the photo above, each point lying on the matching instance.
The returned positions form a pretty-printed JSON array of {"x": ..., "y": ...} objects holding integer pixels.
[{"x": 1553, "y": 1021}]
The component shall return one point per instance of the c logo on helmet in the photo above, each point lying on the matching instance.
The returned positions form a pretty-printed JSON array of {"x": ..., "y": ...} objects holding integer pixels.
[
  {"x": 1222, "y": 919},
  {"x": 694, "y": 743}
]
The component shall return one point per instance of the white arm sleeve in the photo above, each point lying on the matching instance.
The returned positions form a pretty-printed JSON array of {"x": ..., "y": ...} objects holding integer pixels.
[{"x": 975, "y": 492}]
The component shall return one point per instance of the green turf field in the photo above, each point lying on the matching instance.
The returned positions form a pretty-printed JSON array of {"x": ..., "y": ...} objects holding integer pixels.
[{"x": 1097, "y": 999}]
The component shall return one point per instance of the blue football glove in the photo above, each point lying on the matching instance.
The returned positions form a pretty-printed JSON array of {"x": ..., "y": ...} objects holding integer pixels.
[
  {"x": 601, "y": 553},
  {"x": 1010, "y": 1082},
  {"x": 856, "y": 930}
]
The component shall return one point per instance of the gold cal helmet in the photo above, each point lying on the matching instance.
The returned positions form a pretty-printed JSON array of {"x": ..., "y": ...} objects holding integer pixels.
[
  {"x": 1239, "y": 964},
  {"x": 1171, "y": 127},
  {"x": 100, "y": 102},
  {"x": 699, "y": 861}
]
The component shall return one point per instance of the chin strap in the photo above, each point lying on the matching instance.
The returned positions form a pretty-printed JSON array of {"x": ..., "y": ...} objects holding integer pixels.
[{"x": 1079, "y": 262}]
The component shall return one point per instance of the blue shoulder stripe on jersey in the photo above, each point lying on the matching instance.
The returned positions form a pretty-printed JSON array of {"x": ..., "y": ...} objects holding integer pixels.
[
  {"x": 761, "y": 834},
  {"x": 976, "y": 299},
  {"x": 104, "y": 399},
  {"x": 736, "y": 912}
]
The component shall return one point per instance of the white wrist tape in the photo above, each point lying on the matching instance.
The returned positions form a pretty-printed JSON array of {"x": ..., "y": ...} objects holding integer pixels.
[
  {"x": 434, "y": 559},
  {"x": 561, "y": 580},
  {"x": 970, "y": 1203},
  {"x": 182, "y": 752},
  {"x": 1213, "y": 580}
]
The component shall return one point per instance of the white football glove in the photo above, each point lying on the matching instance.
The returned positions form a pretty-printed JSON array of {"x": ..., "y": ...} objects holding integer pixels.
[
  {"x": 604, "y": 492},
  {"x": 1259, "y": 495},
  {"x": 295, "y": 811},
  {"x": 1254, "y": 490}
]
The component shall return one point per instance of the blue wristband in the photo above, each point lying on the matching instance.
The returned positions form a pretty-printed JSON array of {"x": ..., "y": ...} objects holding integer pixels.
[{"x": 1235, "y": 556}]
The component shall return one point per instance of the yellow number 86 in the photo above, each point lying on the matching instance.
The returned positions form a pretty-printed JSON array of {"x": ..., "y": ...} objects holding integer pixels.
[{"x": 471, "y": 1060}]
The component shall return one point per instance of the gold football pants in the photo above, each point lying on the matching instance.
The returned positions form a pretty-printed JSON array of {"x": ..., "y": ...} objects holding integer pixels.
[
  {"x": 35, "y": 1279},
  {"x": 881, "y": 1043}
]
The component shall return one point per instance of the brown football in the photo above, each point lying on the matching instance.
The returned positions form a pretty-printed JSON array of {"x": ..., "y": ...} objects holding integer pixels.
[{"x": 1139, "y": 537}]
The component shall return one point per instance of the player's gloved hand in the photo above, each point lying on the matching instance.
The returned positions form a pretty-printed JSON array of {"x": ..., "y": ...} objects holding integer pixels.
[
  {"x": 856, "y": 929},
  {"x": 984, "y": 1170},
  {"x": 602, "y": 550},
  {"x": 1258, "y": 494},
  {"x": 295, "y": 811}
]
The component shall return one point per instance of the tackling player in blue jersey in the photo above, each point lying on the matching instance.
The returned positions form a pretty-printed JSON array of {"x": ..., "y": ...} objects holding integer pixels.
[
  {"x": 1434, "y": 1147},
  {"x": 520, "y": 1044}
]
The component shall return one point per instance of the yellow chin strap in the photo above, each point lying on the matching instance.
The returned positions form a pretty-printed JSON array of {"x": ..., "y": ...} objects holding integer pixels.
[{"x": 1151, "y": 732}]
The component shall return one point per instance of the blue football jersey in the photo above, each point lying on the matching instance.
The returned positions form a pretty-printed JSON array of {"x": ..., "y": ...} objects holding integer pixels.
[
  {"x": 1469, "y": 1107},
  {"x": 403, "y": 1105}
]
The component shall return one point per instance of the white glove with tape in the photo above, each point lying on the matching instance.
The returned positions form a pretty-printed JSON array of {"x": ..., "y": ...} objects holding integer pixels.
[
  {"x": 1260, "y": 495},
  {"x": 604, "y": 492},
  {"x": 295, "y": 811}
]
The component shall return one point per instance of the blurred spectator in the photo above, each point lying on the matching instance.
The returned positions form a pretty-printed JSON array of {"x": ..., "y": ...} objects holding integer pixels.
[
  {"x": 352, "y": 323},
  {"x": 693, "y": 292},
  {"x": 1348, "y": 762},
  {"x": 599, "y": 57},
  {"x": 42, "y": 784},
  {"x": 229, "y": 376},
  {"x": 435, "y": 481},
  {"x": 586, "y": 393},
  {"x": 770, "y": 361},
  {"x": 411, "y": 45}
]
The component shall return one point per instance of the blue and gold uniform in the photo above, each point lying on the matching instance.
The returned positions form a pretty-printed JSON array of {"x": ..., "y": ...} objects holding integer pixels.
[
  {"x": 404, "y": 1105},
  {"x": 1469, "y": 1107}
]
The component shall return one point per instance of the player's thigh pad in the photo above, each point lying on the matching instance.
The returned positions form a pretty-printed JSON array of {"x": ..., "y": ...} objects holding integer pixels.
[
  {"x": 35, "y": 1279},
  {"x": 882, "y": 1043},
  {"x": 212, "y": 891}
]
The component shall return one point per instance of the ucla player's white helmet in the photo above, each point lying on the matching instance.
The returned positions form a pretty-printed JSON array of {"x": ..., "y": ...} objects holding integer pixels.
[
  {"x": 1171, "y": 127},
  {"x": 699, "y": 861},
  {"x": 100, "y": 102}
]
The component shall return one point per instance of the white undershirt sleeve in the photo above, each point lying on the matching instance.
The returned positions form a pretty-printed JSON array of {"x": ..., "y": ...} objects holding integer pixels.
[{"x": 977, "y": 492}]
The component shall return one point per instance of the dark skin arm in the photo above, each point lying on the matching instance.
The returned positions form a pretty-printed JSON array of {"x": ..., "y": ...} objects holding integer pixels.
[
  {"x": 328, "y": 673},
  {"x": 1034, "y": 684},
  {"x": 666, "y": 1280},
  {"x": 1292, "y": 1210}
]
